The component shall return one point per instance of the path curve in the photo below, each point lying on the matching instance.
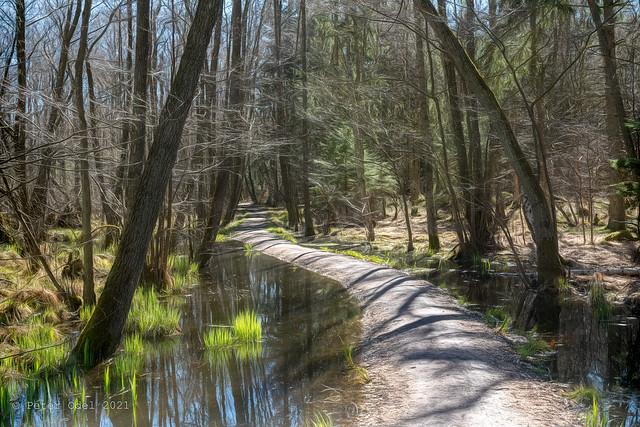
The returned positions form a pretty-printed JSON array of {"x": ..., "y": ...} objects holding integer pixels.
[{"x": 431, "y": 361}]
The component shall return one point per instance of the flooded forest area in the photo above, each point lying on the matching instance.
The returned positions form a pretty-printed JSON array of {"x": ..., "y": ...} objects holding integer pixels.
[{"x": 252, "y": 212}]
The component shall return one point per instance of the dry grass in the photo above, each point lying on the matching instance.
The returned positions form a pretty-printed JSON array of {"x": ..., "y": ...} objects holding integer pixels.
[{"x": 391, "y": 235}]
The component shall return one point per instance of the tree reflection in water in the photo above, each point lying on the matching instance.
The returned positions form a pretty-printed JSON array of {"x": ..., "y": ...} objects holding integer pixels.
[{"x": 297, "y": 369}]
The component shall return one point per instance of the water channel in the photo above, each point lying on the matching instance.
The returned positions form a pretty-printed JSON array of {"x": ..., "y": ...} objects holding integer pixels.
[{"x": 296, "y": 373}]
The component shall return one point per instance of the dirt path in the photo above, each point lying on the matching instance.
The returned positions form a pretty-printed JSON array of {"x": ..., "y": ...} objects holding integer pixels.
[{"x": 431, "y": 361}]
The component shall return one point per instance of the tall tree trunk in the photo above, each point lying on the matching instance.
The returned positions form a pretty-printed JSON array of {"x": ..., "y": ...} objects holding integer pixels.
[
  {"x": 204, "y": 253},
  {"x": 103, "y": 332},
  {"x": 140, "y": 79},
  {"x": 236, "y": 98},
  {"x": 111, "y": 216},
  {"x": 285, "y": 149},
  {"x": 457, "y": 220},
  {"x": 21, "y": 107},
  {"x": 543, "y": 227},
  {"x": 211, "y": 88},
  {"x": 306, "y": 195},
  {"x": 456, "y": 121},
  {"x": 223, "y": 179},
  {"x": 122, "y": 170},
  {"x": 617, "y": 133},
  {"x": 480, "y": 238},
  {"x": 88, "y": 292},
  {"x": 425, "y": 125},
  {"x": 360, "y": 42},
  {"x": 407, "y": 218},
  {"x": 235, "y": 190}
]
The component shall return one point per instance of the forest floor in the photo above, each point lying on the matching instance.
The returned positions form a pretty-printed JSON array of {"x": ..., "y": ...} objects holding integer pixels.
[
  {"x": 583, "y": 253},
  {"x": 430, "y": 360}
]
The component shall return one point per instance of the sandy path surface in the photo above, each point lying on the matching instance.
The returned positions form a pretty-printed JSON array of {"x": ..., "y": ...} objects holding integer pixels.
[{"x": 431, "y": 361}]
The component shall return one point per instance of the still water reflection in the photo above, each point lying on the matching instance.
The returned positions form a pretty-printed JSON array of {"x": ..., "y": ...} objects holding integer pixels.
[{"x": 296, "y": 372}]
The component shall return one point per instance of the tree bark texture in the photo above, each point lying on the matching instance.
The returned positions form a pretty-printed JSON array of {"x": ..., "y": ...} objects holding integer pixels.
[
  {"x": 306, "y": 196},
  {"x": 140, "y": 79},
  {"x": 21, "y": 107},
  {"x": 617, "y": 133},
  {"x": 88, "y": 293},
  {"x": 425, "y": 124}
]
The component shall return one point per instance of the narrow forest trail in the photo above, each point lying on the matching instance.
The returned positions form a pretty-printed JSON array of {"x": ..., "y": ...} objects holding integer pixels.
[{"x": 431, "y": 361}]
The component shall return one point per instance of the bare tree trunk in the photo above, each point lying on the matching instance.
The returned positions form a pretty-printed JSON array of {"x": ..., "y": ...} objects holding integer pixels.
[
  {"x": 306, "y": 196},
  {"x": 88, "y": 292},
  {"x": 617, "y": 132},
  {"x": 407, "y": 220},
  {"x": 360, "y": 42},
  {"x": 236, "y": 109},
  {"x": 456, "y": 121},
  {"x": 457, "y": 220},
  {"x": 212, "y": 96},
  {"x": 235, "y": 190},
  {"x": 122, "y": 170},
  {"x": 113, "y": 220},
  {"x": 425, "y": 124},
  {"x": 224, "y": 178},
  {"x": 285, "y": 150},
  {"x": 203, "y": 254},
  {"x": 21, "y": 107},
  {"x": 140, "y": 82},
  {"x": 103, "y": 332}
]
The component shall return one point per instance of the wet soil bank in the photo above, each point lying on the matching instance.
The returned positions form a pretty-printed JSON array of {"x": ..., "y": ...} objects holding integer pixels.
[{"x": 431, "y": 361}]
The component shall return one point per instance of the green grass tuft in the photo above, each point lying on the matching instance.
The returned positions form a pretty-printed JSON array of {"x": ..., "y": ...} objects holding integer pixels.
[
  {"x": 243, "y": 337},
  {"x": 151, "y": 318},
  {"x": 319, "y": 419},
  {"x": 283, "y": 234},
  {"x": 107, "y": 378},
  {"x": 600, "y": 305},
  {"x": 85, "y": 312},
  {"x": 247, "y": 326},
  {"x": 597, "y": 417},
  {"x": 6, "y": 406},
  {"x": 218, "y": 338},
  {"x": 532, "y": 347},
  {"x": 249, "y": 350},
  {"x": 185, "y": 272},
  {"x": 51, "y": 354},
  {"x": 497, "y": 317},
  {"x": 481, "y": 265},
  {"x": 127, "y": 365},
  {"x": 583, "y": 394},
  {"x": 249, "y": 251},
  {"x": 231, "y": 227},
  {"x": 181, "y": 265},
  {"x": 133, "y": 344},
  {"x": 348, "y": 356}
]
